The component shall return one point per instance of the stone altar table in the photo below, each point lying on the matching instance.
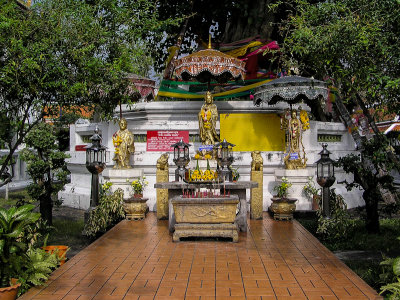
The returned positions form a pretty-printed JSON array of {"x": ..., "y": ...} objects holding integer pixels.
[
  {"x": 205, "y": 217},
  {"x": 175, "y": 188}
]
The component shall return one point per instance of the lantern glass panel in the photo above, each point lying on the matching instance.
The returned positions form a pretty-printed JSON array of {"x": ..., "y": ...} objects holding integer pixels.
[
  {"x": 320, "y": 172},
  {"x": 326, "y": 170},
  {"x": 186, "y": 150},
  {"x": 224, "y": 152}
]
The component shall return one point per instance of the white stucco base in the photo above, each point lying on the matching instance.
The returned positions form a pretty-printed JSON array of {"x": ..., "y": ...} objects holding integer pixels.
[
  {"x": 183, "y": 116},
  {"x": 122, "y": 179}
]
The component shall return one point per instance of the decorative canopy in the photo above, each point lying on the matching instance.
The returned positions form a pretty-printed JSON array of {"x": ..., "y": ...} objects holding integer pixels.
[
  {"x": 145, "y": 86},
  {"x": 209, "y": 65},
  {"x": 291, "y": 89}
]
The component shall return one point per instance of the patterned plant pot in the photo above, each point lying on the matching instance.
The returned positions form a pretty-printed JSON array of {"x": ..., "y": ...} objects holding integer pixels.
[
  {"x": 135, "y": 208},
  {"x": 283, "y": 208}
]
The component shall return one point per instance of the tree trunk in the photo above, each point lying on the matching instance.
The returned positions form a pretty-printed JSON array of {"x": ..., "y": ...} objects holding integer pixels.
[
  {"x": 371, "y": 198},
  {"x": 46, "y": 203},
  {"x": 46, "y": 209}
]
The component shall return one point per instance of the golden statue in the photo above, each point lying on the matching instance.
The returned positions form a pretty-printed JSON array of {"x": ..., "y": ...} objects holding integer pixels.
[
  {"x": 294, "y": 127},
  {"x": 208, "y": 117},
  {"x": 162, "y": 162},
  {"x": 257, "y": 161},
  {"x": 124, "y": 146}
]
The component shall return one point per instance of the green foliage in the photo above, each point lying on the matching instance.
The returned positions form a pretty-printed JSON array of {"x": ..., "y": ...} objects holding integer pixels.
[
  {"x": 66, "y": 53},
  {"x": 46, "y": 166},
  {"x": 37, "y": 268},
  {"x": 68, "y": 232},
  {"x": 392, "y": 290},
  {"x": 310, "y": 189},
  {"x": 373, "y": 177},
  {"x": 109, "y": 212},
  {"x": 13, "y": 223},
  {"x": 367, "y": 270},
  {"x": 335, "y": 228},
  {"x": 282, "y": 189},
  {"x": 352, "y": 42}
]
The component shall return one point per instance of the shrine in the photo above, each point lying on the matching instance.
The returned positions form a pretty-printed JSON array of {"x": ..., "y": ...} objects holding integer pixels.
[{"x": 229, "y": 150}]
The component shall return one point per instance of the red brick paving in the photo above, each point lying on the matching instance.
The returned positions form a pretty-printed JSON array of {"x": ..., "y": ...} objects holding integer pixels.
[{"x": 138, "y": 260}]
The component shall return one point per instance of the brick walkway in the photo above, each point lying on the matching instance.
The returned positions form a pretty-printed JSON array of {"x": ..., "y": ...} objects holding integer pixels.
[{"x": 138, "y": 260}]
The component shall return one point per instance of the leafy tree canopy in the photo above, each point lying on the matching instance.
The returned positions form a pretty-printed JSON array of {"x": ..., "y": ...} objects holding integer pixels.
[
  {"x": 68, "y": 52},
  {"x": 228, "y": 21},
  {"x": 355, "y": 43}
]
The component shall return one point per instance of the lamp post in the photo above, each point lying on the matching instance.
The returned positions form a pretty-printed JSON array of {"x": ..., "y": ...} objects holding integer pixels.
[
  {"x": 225, "y": 159},
  {"x": 95, "y": 163},
  {"x": 325, "y": 177},
  {"x": 181, "y": 158}
]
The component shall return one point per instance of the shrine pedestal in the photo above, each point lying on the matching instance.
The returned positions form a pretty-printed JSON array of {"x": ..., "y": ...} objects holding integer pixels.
[
  {"x": 256, "y": 199},
  {"x": 122, "y": 178},
  {"x": 205, "y": 217},
  {"x": 162, "y": 195}
]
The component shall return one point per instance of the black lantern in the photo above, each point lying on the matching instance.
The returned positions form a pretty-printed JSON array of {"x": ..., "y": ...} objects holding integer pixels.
[
  {"x": 325, "y": 177},
  {"x": 95, "y": 163},
  {"x": 181, "y": 158},
  {"x": 224, "y": 159}
]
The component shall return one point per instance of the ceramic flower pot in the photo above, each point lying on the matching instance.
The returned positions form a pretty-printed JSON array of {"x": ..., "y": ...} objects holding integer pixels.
[
  {"x": 61, "y": 251},
  {"x": 315, "y": 202},
  {"x": 10, "y": 292}
]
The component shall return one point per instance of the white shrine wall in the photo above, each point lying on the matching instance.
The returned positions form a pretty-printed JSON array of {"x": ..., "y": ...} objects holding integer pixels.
[{"x": 182, "y": 115}]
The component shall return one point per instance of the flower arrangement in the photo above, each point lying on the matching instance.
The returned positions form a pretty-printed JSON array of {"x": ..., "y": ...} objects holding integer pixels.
[
  {"x": 310, "y": 189},
  {"x": 116, "y": 141},
  {"x": 105, "y": 188},
  {"x": 206, "y": 115},
  {"x": 283, "y": 188},
  {"x": 200, "y": 175},
  {"x": 139, "y": 184},
  {"x": 305, "y": 121}
]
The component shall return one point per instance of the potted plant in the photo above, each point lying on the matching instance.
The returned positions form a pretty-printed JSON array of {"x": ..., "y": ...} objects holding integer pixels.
[
  {"x": 136, "y": 207},
  {"x": 138, "y": 185},
  {"x": 312, "y": 192},
  {"x": 235, "y": 174},
  {"x": 19, "y": 259},
  {"x": 59, "y": 250},
  {"x": 282, "y": 206}
]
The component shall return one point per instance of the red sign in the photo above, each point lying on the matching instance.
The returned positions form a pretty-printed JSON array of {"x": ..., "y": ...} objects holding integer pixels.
[
  {"x": 161, "y": 140},
  {"x": 80, "y": 147}
]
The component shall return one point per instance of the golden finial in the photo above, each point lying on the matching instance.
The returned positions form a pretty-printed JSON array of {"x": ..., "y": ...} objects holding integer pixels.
[
  {"x": 28, "y": 3},
  {"x": 209, "y": 41}
]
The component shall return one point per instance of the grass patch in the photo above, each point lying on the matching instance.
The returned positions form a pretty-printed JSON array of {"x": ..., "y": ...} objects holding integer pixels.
[
  {"x": 369, "y": 271},
  {"x": 13, "y": 198},
  {"x": 359, "y": 239},
  {"x": 67, "y": 232}
]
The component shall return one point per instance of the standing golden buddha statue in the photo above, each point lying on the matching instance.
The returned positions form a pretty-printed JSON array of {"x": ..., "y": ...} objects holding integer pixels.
[
  {"x": 208, "y": 117},
  {"x": 294, "y": 127},
  {"x": 123, "y": 141}
]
